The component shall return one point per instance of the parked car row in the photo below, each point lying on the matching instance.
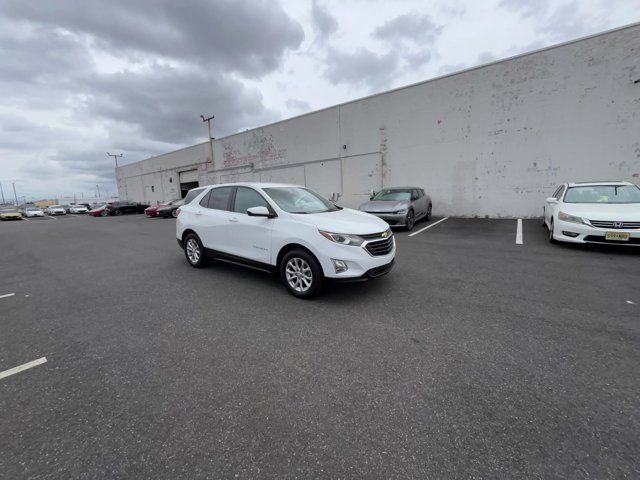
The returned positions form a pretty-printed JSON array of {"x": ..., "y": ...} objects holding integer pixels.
[{"x": 121, "y": 207}]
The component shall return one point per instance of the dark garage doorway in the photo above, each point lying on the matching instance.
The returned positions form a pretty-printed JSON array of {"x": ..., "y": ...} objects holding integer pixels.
[{"x": 185, "y": 187}]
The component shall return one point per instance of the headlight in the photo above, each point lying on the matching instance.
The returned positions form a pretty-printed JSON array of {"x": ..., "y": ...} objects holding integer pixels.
[
  {"x": 343, "y": 238},
  {"x": 401, "y": 212},
  {"x": 565, "y": 217}
]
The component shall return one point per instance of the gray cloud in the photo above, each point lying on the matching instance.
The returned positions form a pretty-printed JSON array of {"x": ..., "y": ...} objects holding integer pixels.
[
  {"x": 324, "y": 23},
  {"x": 362, "y": 67},
  {"x": 416, "y": 28},
  {"x": 240, "y": 35},
  {"x": 300, "y": 105},
  {"x": 526, "y": 8}
]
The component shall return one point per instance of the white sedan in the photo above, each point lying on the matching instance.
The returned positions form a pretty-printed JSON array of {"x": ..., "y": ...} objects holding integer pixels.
[
  {"x": 594, "y": 212},
  {"x": 32, "y": 212},
  {"x": 55, "y": 210},
  {"x": 78, "y": 209}
]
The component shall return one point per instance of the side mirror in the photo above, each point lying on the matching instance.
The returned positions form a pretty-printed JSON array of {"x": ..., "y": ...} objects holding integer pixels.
[
  {"x": 259, "y": 212},
  {"x": 552, "y": 200}
]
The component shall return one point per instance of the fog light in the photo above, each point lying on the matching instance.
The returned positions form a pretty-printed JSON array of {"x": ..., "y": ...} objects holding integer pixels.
[
  {"x": 570, "y": 234},
  {"x": 339, "y": 265}
]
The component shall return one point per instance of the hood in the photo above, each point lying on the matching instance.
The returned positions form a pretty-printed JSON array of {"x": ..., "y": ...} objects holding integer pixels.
[
  {"x": 344, "y": 221},
  {"x": 629, "y": 212},
  {"x": 384, "y": 205}
]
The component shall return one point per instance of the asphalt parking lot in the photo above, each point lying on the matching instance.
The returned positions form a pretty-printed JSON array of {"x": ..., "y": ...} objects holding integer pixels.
[{"x": 477, "y": 357}]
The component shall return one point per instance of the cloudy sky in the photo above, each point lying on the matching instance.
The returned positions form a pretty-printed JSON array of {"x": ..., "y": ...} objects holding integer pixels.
[{"x": 80, "y": 78}]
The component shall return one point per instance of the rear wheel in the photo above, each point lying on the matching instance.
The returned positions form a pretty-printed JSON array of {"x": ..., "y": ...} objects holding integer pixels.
[
  {"x": 302, "y": 274},
  {"x": 104, "y": 213},
  {"x": 117, "y": 212},
  {"x": 194, "y": 251},
  {"x": 174, "y": 213}
]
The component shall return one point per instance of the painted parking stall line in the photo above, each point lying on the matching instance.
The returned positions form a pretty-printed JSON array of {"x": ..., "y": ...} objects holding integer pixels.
[
  {"x": 428, "y": 226},
  {"x": 7, "y": 295},
  {"x": 519, "y": 240},
  {"x": 23, "y": 367}
]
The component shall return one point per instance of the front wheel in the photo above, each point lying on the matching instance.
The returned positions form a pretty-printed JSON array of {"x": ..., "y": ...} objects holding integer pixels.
[
  {"x": 428, "y": 217},
  {"x": 104, "y": 213},
  {"x": 117, "y": 213},
  {"x": 410, "y": 221},
  {"x": 551, "y": 239},
  {"x": 302, "y": 274},
  {"x": 194, "y": 251},
  {"x": 174, "y": 213}
]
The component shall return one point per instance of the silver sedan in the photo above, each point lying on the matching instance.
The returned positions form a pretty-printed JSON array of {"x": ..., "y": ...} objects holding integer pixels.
[{"x": 399, "y": 206}]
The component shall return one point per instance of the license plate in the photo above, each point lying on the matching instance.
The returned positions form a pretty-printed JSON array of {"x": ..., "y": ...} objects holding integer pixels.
[{"x": 621, "y": 236}]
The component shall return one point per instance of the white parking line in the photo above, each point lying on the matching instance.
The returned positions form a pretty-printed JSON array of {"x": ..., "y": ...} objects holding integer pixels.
[
  {"x": 428, "y": 226},
  {"x": 519, "y": 232},
  {"x": 7, "y": 295},
  {"x": 25, "y": 219},
  {"x": 23, "y": 367}
]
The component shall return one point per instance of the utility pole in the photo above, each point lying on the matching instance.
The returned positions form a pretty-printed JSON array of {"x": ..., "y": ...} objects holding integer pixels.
[
  {"x": 115, "y": 157},
  {"x": 2, "y": 191},
  {"x": 14, "y": 193},
  {"x": 99, "y": 197},
  {"x": 208, "y": 120}
]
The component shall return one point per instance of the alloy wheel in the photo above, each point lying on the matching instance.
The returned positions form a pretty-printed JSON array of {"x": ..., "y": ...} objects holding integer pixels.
[
  {"x": 410, "y": 220},
  {"x": 193, "y": 251},
  {"x": 299, "y": 275}
]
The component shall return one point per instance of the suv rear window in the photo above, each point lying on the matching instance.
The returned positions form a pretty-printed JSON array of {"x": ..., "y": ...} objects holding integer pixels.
[{"x": 192, "y": 194}]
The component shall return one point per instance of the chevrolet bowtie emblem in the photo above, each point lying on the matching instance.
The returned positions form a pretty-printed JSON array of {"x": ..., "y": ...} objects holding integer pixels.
[{"x": 385, "y": 234}]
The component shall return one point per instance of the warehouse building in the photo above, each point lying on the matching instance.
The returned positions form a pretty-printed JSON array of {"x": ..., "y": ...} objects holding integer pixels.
[{"x": 488, "y": 141}]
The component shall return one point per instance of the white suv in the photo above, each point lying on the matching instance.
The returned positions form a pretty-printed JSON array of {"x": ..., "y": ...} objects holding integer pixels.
[{"x": 287, "y": 228}]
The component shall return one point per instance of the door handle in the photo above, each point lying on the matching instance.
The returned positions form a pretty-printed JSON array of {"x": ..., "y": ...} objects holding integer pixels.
[
  {"x": 234, "y": 220},
  {"x": 198, "y": 214}
]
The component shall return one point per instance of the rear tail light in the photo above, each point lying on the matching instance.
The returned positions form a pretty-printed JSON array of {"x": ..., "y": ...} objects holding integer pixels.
[{"x": 177, "y": 212}]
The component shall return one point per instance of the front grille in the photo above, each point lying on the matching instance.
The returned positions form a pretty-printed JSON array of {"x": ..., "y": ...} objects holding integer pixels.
[
  {"x": 614, "y": 224},
  {"x": 380, "y": 247},
  {"x": 603, "y": 239},
  {"x": 376, "y": 236}
]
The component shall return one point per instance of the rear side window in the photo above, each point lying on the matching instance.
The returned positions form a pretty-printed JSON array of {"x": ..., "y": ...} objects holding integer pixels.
[
  {"x": 192, "y": 194},
  {"x": 219, "y": 198},
  {"x": 247, "y": 198}
]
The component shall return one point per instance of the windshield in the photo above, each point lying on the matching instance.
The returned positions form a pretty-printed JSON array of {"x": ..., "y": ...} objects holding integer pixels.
[
  {"x": 603, "y": 194},
  {"x": 32, "y": 209},
  {"x": 299, "y": 200},
  {"x": 392, "y": 195}
]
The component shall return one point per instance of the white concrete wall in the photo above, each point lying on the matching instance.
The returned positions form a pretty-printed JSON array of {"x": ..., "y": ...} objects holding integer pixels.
[{"x": 495, "y": 140}]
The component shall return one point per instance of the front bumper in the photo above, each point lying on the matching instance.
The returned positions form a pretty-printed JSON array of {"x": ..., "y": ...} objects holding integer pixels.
[
  {"x": 393, "y": 219},
  {"x": 361, "y": 263},
  {"x": 565, "y": 232},
  {"x": 10, "y": 217}
]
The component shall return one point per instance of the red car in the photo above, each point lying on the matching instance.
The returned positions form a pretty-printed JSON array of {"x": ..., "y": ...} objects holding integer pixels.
[
  {"x": 152, "y": 211},
  {"x": 100, "y": 211}
]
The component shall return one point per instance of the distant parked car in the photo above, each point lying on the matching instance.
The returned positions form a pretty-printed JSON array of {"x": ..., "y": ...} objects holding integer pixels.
[
  {"x": 399, "y": 206},
  {"x": 55, "y": 210},
  {"x": 123, "y": 207},
  {"x": 10, "y": 213},
  {"x": 170, "y": 210},
  {"x": 100, "y": 211},
  {"x": 78, "y": 209},
  {"x": 594, "y": 212},
  {"x": 151, "y": 211},
  {"x": 32, "y": 212}
]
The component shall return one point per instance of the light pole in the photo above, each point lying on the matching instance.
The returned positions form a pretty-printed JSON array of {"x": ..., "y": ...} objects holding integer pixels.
[
  {"x": 115, "y": 157},
  {"x": 14, "y": 193},
  {"x": 208, "y": 120},
  {"x": 2, "y": 191}
]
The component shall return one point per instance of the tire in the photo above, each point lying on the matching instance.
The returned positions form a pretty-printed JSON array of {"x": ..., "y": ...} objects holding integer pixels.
[
  {"x": 117, "y": 213},
  {"x": 428, "y": 216},
  {"x": 194, "y": 251},
  {"x": 104, "y": 213},
  {"x": 301, "y": 274},
  {"x": 410, "y": 221},
  {"x": 174, "y": 213},
  {"x": 551, "y": 239}
]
